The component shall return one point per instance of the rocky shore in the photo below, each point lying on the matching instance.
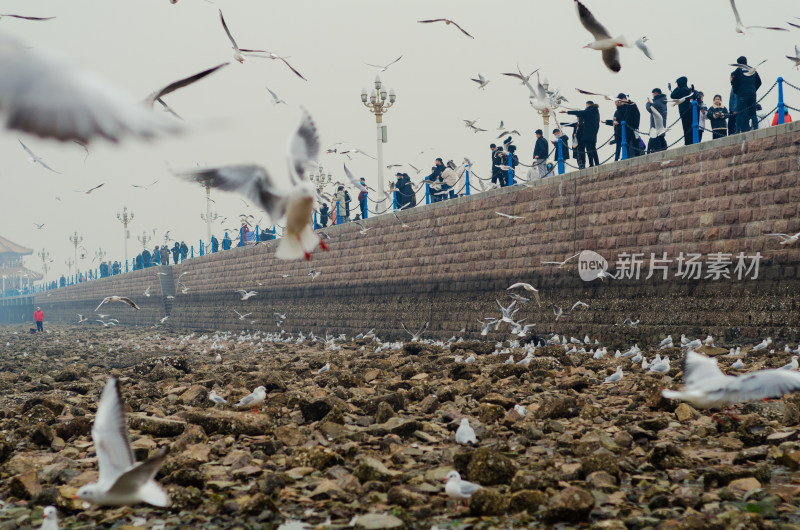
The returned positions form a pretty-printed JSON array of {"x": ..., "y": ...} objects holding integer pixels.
[{"x": 368, "y": 443}]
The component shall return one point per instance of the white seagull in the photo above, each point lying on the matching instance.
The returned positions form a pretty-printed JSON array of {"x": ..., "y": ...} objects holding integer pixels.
[
  {"x": 459, "y": 489},
  {"x": 658, "y": 121},
  {"x": 447, "y": 21},
  {"x": 114, "y": 298},
  {"x": 216, "y": 398},
  {"x": 741, "y": 28},
  {"x": 507, "y": 216},
  {"x": 527, "y": 287},
  {"x": 50, "y": 521},
  {"x": 242, "y": 316},
  {"x": 465, "y": 434},
  {"x": 51, "y": 98},
  {"x": 705, "y": 386},
  {"x": 560, "y": 263},
  {"x": 275, "y": 99},
  {"x": 603, "y": 40},
  {"x": 508, "y": 312},
  {"x": 34, "y": 159},
  {"x": 792, "y": 365},
  {"x": 748, "y": 70},
  {"x": 415, "y": 336},
  {"x": 122, "y": 481},
  {"x": 256, "y": 397},
  {"x": 295, "y": 202},
  {"x": 796, "y": 58},
  {"x": 324, "y": 369},
  {"x": 246, "y": 295},
  {"x": 786, "y": 239},
  {"x": 383, "y": 68},
  {"x": 482, "y": 81},
  {"x": 616, "y": 376}
]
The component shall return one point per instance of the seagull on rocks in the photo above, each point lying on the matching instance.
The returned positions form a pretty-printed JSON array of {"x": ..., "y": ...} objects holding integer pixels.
[
  {"x": 254, "y": 399},
  {"x": 792, "y": 365},
  {"x": 459, "y": 489},
  {"x": 216, "y": 398},
  {"x": 218, "y": 359},
  {"x": 295, "y": 202},
  {"x": 616, "y": 376},
  {"x": 510, "y": 360},
  {"x": 114, "y": 298},
  {"x": 465, "y": 434},
  {"x": 122, "y": 481},
  {"x": 738, "y": 364},
  {"x": 762, "y": 345},
  {"x": 50, "y": 518},
  {"x": 522, "y": 411},
  {"x": 324, "y": 369},
  {"x": 705, "y": 386},
  {"x": 661, "y": 366}
]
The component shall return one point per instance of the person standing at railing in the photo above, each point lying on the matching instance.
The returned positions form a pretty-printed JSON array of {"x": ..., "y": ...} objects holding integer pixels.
[
  {"x": 362, "y": 197},
  {"x": 434, "y": 180},
  {"x": 176, "y": 253},
  {"x": 146, "y": 258},
  {"x": 449, "y": 180},
  {"x": 560, "y": 138},
  {"x": 398, "y": 189},
  {"x": 164, "y": 255},
  {"x": 659, "y": 103},
  {"x": 497, "y": 158},
  {"x": 540, "y": 153},
  {"x": 185, "y": 249},
  {"x": 745, "y": 87},
  {"x": 702, "y": 115},
  {"x": 685, "y": 109},
  {"x": 587, "y": 131},
  {"x": 324, "y": 212},
  {"x": 214, "y": 244},
  {"x": 408, "y": 191}
]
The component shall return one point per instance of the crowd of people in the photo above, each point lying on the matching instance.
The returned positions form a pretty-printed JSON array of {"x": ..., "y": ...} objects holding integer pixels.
[{"x": 161, "y": 255}]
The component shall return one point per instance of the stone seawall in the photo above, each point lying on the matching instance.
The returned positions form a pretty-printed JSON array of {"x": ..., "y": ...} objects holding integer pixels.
[{"x": 454, "y": 258}]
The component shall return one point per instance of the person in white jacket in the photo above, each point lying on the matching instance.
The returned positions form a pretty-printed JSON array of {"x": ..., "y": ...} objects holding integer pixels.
[{"x": 449, "y": 179}]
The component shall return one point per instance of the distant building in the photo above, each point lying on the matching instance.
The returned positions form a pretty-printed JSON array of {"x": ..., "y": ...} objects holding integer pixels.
[{"x": 15, "y": 276}]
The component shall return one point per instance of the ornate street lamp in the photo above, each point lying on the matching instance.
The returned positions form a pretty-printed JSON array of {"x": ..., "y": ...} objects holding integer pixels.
[
  {"x": 125, "y": 219},
  {"x": 76, "y": 240},
  {"x": 378, "y": 104},
  {"x": 209, "y": 216}
]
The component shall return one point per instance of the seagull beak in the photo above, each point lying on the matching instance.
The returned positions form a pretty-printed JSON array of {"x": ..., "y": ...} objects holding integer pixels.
[{"x": 73, "y": 496}]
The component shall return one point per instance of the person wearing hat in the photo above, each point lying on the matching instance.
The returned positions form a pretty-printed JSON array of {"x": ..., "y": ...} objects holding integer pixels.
[
  {"x": 38, "y": 316},
  {"x": 587, "y": 131},
  {"x": 685, "y": 108},
  {"x": 745, "y": 88},
  {"x": 627, "y": 112},
  {"x": 659, "y": 103},
  {"x": 499, "y": 177},
  {"x": 564, "y": 144},
  {"x": 540, "y": 154}
]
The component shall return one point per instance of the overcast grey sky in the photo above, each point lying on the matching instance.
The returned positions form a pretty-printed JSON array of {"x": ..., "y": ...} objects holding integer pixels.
[{"x": 144, "y": 44}]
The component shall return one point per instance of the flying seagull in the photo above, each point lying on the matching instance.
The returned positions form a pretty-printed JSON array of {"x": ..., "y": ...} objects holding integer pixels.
[
  {"x": 51, "y": 98},
  {"x": 603, "y": 40},
  {"x": 38, "y": 226},
  {"x": 145, "y": 187},
  {"x": 658, "y": 121},
  {"x": 527, "y": 287},
  {"x": 109, "y": 299},
  {"x": 748, "y": 70},
  {"x": 383, "y": 68},
  {"x": 507, "y": 216},
  {"x": 415, "y": 336},
  {"x": 246, "y": 294},
  {"x": 296, "y": 202},
  {"x": 741, "y": 28},
  {"x": 186, "y": 81},
  {"x": 238, "y": 53},
  {"x": 90, "y": 190},
  {"x": 25, "y": 17},
  {"x": 796, "y": 58},
  {"x": 242, "y": 316},
  {"x": 787, "y": 239},
  {"x": 482, "y": 81},
  {"x": 447, "y": 21},
  {"x": 34, "y": 159},
  {"x": 122, "y": 481},
  {"x": 522, "y": 77},
  {"x": 560, "y": 263},
  {"x": 275, "y": 99}
]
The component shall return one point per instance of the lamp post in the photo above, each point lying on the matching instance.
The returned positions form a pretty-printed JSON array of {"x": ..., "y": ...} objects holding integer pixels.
[
  {"x": 379, "y": 105},
  {"x": 321, "y": 179},
  {"x": 69, "y": 263},
  {"x": 125, "y": 219},
  {"x": 144, "y": 239},
  {"x": 45, "y": 257},
  {"x": 209, "y": 216},
  {"x": 100, "y": 254},
  {"x": 76, "y": 240}
]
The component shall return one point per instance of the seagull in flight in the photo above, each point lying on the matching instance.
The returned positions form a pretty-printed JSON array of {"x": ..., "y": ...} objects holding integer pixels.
[
  {"x": 527, "y": 287},
  {"x": 246, "y": 295},
  {"x": 186, "y": 81},
  {"x": 275, "y": 99},
  {"x": 22, "y": 17},
  {"x": 705, "y": 386},
  {"x": 796, "y": 58},
  {"x": 313, "y": 274},
  {"x": 383, "y": 68},
  {"x": 296, "y": 202},
  {"x": 522, "y": 77},
  {"x": 147, "y": 292},
  {"x": 507, "y": 216},
  {"x": 145, "y": 187},
  {"x": 415, "y": 336},
  {"x": 87, "y": 107},
  {"x": 658, "y": 121},
  {"x": 402, "y": 224},
  {"x": 239, "y": 53},
  {"x": 787, "y": 239},
  {"x": 559, "y": 312},
  {"x": 741, "y": 28},
  {"x": 748, "y": 70},
  {"x": 364, "y": 229},
  {"x": 114, "y": 298},
  {"x": 122, "y": 481},
  {"x": 603, "y": 40},
  {"x": 579, "y": 304},
  {"x": 34, "y": 159},
  {"x": 447, "y": 21},
  {"x": 560, "y": 263},
  {"x": 242, "y": 316},
  {"x": 38, "y": 226},
  {"x": 482, "y": 81},
  {"x": 90, "y": 190}
]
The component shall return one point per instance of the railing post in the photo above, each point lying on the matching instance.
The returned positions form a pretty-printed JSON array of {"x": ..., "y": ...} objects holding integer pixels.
[
  {"x": 241, "y": 237},
  {"x": 560, "y": 146},
  {"x": 394, "y": 200},
  {"x": 624, "y": 146},
  {"x": 467, "y": 178},
  {"x": 510, "y": 169},
  {"x": 337, "y": 213},
  {"x": 315, "y": 220},
  {"x": 126, "y": 266},
  {"x": 201, "y": 247},
  {"x": 274, "y": 233},
  {"x": 259, "y": 233},
  {"x": 781, "y": 107},
  {"x": 427, "y": 193},
  {"x": 191, "y": 251},
  {"x": 365, "y": 213},
  {"x": 695, "y": 125}
]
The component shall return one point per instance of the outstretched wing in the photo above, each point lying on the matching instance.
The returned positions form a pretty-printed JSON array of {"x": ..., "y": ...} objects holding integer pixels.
[
  {"x": 611, "y": 58},
  {"x": 110, "y": 434},
  {"x": 227, "y": 31},
  {"x": 355, "y": 182},
  {"x": 183, "y": 82},
  {"x": 462, "y": 29},
  {"x": 598, "y": 31},
  {"x": 303, "y": 147}
]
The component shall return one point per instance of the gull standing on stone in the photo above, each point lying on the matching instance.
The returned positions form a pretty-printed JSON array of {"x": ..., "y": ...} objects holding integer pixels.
[
  {"x": 705, "y": 386},
  {"x": 324, "y": 369},
  {"x": 114, "y": 298},
  {"x": 459, "y": 489},
  {"x": 122, "y": 481},
  {"x": 50, "y": 521},
  {"x": 465, "y": 434},
  {"x": 792, "y": 365},
  {"x": 415, "y": 336},
  {"x": 255, "y": 398},
  {"x": 295, "y": 202},
  {"x": 738, "y": 364},
  {"x": 216, "y": 398},
  {"x": 616, "y": 376},
  {"x": 34, "y": 159},
  {"x": 447, "y": 21}
]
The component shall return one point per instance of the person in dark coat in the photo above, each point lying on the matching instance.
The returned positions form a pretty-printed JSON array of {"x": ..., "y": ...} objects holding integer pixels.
[
  {"x": 745, "y": 88},
  {"x": 718, "y": 117},
  {"x": 185, "y": 250},
  {"x": 400, "y": 198},
  {"x": 176, "y": 252},
  {"x": 685, "y": 108},
  {"x": 732, "y": 111},
  {"x": 434, "y": 179},
  {"x": 589, "y": 126},
  {"x": 540, "y": 153},
  {"x": 659, "y": 104},
  {"x": 156, "y": 256},
  {"x": 164, "y": 255},
  {"x": 627, "y": 112},
  {"x": 214, "y": 244},
  {"x": 408, "y": 191},
  {"x": 562, "y": 138},
  {"x": 499, "y": 175},
  {"x": 226, "y": 242},
  {"x": 146, "y": 258},
  {"x": 324, "y": 212}
]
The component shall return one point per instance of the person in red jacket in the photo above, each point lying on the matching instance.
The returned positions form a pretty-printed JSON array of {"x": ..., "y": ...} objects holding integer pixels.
[{"x": 38, "y": 316}]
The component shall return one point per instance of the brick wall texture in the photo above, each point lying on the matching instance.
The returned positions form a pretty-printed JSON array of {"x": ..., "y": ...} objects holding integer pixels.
[{"x": 456, "y": 257}]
